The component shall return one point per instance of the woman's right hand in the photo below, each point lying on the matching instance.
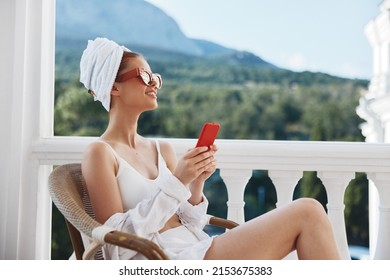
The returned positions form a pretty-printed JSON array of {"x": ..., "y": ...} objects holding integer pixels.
[{"x": 194, "y": 162}]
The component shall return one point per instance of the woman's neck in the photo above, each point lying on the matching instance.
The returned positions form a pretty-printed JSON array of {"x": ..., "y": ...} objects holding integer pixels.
[{"x": 122, "y": 129}]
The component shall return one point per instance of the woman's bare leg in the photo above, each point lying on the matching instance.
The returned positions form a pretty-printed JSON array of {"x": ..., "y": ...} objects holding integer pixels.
[{"x": 302, "y": 225}]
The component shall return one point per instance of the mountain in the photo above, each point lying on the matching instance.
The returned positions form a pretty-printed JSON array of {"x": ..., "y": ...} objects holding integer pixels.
[{"x": 137, "y": 23}]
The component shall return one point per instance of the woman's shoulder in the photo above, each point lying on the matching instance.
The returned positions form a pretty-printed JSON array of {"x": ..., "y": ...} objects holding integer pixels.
[
  {"x": 166, "y": 147},
  {"x": 99, "y": 156},
  {"x": 168, "y": 153},
  {"x": 96, "y": 146},
  {"x": 98, "y": 150}
]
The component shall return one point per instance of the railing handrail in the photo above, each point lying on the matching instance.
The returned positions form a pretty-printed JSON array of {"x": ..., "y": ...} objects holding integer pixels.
[{"x": 256, "y": 154}]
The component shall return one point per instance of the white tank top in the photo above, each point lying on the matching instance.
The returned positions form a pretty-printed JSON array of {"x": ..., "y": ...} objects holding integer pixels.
[{"x": 133, "y": 186}]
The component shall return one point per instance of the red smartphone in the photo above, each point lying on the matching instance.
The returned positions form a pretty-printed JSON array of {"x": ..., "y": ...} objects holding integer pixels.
[{"x": 208, "y": 134}]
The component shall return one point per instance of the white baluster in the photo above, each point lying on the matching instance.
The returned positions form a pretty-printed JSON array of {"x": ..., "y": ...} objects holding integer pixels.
[
  {"x": 236, "y": 181},
  {"x": 335, "y": 184},
  {"x": 285, "y": 183},
  {"x": 382, "y": 183}
]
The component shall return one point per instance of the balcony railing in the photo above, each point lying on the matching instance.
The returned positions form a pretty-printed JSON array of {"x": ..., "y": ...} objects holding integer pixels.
[{"x": 336, "y": 164}]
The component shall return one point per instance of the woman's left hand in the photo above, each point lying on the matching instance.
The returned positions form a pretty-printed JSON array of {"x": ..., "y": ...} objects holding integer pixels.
[
  {"x": 196, "y": 186},
  {"x": 209, "y": 168}
]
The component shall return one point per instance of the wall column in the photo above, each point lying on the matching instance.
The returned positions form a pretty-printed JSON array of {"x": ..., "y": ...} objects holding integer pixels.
[{"x": 26, "y": 108}]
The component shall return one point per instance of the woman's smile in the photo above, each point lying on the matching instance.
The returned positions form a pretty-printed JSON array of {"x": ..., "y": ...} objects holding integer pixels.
[{"x": 152, "y": 94}]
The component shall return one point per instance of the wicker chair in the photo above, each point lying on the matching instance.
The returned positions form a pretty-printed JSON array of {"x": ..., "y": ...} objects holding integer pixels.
[{"x": 68, "y": 191}]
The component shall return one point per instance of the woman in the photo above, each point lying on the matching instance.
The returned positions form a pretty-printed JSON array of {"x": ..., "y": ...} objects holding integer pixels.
[{"x": 137, "y": 184}]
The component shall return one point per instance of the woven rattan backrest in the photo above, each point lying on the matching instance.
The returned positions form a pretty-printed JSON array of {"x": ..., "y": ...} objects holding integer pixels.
[{"x": 68, "y": 191}]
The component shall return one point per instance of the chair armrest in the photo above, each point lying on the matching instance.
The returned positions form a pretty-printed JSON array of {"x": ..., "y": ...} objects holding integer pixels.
[
  {"x": 130, "y": 241},
  {"x": 220, "y": 222}
]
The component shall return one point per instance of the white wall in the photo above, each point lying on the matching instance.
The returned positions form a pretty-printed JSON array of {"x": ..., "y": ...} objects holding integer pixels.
[{"x": 26, "y": 79}]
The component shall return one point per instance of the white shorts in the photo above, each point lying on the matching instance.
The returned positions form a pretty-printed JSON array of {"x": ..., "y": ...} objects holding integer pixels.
[{"x": 180, "y": 243}]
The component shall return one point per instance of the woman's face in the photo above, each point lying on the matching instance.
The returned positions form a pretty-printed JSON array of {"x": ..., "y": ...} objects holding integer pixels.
[{"x": 133, "y": 93}]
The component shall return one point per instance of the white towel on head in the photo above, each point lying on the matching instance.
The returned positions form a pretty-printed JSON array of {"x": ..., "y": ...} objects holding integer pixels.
[{"x": 99, "y": 66}]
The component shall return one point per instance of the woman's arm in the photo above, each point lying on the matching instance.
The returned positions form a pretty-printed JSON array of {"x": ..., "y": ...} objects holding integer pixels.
[
  {"x": 99, "y": 168},
  {"x": 192, "y": 169},
  {"x": 194, "y": 210}
]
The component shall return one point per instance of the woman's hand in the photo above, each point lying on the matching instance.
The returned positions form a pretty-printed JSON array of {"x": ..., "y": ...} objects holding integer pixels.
[
  {"x": 196, "y": 165},
  {"x": 209, "y": 169}
]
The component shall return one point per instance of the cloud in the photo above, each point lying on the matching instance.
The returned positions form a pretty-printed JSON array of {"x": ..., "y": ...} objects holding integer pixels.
[
  {"x": 347, "y": 69},
  {"x": 297, "y": 61},
  {"x": 352, "y": 71}
]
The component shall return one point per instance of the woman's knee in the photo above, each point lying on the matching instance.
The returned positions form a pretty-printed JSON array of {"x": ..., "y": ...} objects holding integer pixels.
[{"x": 310, "y": 207}]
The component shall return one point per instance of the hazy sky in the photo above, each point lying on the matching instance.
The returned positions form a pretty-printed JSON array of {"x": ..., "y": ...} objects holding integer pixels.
[{"x": 315, "y": 35}]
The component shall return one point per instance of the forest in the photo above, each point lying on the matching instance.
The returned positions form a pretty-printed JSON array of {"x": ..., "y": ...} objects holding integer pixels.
[{"x": 249, "y": 100}]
